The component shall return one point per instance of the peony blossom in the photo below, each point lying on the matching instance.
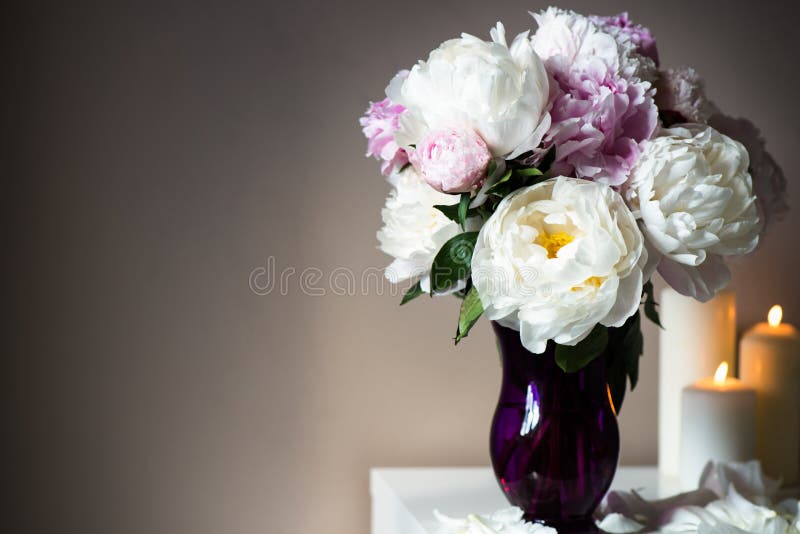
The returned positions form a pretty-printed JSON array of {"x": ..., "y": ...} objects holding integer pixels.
[
  {"x": 500, "y": 92},
  {"x": 681, "y": 94},
  {"x": 694, "y": 196},
  {"x": 557, "y": 258},
  {"x": 567, "y": 39},
  {"x": 506, "y": 521},
  {"x": 769, "y": 183},
  {"x": 603, "y": 110},
  {"x": 748, "y": 478},
  {"x": 619, "y": 524},
  {"x": 379, "y": 124},
  {"x": 731, "y": 515},
  {"x": 413, "y": 230},
  {"x": 623, "y": 29},
  {"x": 715, "y": 482},
  {"x": 452, "y": 160}
]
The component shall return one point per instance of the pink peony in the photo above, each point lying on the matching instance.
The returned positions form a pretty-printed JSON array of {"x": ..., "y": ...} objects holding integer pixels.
[
  {"x": 379, "y": 124},
  {"x": 452, "y": 160},
  {"x": 603, "y": 111},
  {"x": 599, "y": 122},
  {"x": 623, "y": 28}
]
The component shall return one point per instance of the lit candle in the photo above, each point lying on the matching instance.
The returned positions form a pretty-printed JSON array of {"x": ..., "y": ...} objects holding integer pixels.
[
  {"x": 696, "y": 337},
  {"x": 770, "y": 362},
  {"x": 718, "y": 422}
]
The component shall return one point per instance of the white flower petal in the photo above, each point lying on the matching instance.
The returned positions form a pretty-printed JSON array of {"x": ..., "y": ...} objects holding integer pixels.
[
  {"x": 694, "y": 196},
  {"x": 506, "y": 521},
  {"x": 499, "y": 92},
  {"x": 619, "y": 524},
  {"x": 557, "y": 258},
  {"x": 629, "y": 296},
  {"x": 413, "y": 230},
  {"x": 701, "y": 282}
]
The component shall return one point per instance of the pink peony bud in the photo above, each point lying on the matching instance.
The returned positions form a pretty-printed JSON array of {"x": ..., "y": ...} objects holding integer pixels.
[{"x": 452, "y": 161}]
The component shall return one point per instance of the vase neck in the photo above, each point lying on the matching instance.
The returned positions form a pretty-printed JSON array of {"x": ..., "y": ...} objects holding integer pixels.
[{"x": 524, "y": 371}]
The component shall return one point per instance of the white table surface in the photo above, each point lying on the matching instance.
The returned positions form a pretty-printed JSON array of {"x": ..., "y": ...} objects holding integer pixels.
[{"x": 403, "y": 499}]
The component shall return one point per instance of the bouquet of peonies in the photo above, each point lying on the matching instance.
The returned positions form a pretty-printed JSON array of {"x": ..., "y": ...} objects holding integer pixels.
[{"x": 543, "y": 181}]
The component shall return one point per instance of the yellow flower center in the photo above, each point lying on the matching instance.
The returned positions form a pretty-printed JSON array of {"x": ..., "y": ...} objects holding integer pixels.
[
  {"x": 553, "y": 242},
  {"x": 595, "y": 281}
]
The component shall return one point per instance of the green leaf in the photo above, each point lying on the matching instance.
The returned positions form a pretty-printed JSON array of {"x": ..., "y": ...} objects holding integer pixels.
[
  {"x": 531, "y": 171},
  {"x": 632, "y": 348},
  {"x": 458, "y": 212},
  {"x": 450, "y": 211},
  {"x": 532, "y": 180},
  {"x": 650, "y": 304},
  {"x": 625, "y": 347},
  {"x": 412, "y": 293},
  {"x": 463, "y": 208},
  {"x": 514, "y": 179},
  {"x": 496, "y": 187},
  {"x": 452, "y": 262},
  {"x": 572, "y": 359},
  {"x": 485, "y": 210},
  {"x": 651, "y": 311},
  {"x": 548, "y": 159},
  {"x": 491, "y": 168},
  {"x": 471, "y": 310}
]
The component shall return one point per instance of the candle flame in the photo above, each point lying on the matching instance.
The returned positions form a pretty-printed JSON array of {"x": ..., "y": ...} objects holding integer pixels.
[
  {"x": 775, "y": 315},
  {"x": 721, "y": 374}
]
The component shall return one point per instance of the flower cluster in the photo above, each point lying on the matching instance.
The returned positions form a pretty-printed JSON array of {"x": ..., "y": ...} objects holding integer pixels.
[
  {"x": 571, "y": 166},
  {"x": 604, "y": 109},
  {"x": 732, "y": 497}
]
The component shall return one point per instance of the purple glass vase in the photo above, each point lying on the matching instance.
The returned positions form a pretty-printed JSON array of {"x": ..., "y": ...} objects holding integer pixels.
[{"x": 554, "y": 440}]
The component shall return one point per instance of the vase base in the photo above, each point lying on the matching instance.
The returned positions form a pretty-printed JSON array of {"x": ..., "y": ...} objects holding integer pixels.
[{"x": 580, "y": 526}]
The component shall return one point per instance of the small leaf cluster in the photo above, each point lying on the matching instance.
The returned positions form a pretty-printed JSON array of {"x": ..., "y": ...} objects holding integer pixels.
[
  {"x": 451, "y": 266},
  {"x": 623, "y": 346}
]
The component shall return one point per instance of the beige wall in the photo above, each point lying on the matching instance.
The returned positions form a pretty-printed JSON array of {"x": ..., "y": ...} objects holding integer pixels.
[{"x": 167, "y": 151}]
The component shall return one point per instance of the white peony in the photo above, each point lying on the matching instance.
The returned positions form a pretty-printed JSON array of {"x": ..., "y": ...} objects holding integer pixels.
[
  {"x": 572, "y": 40},
  {"x": 615, "y": 523},
  {"x": 683, "y": 512},
  {"x": 557, "y": 258},
  {"x": 731, "y": 515},
  {"x": 498, "y": 91},
  {"x": 506, "y": 521},
  {"x": 413, "y": 230},
  {"x": 694, "y": 196}
]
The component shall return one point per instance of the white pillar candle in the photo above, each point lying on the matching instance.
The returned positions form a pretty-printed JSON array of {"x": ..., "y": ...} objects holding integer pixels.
[
  {"x": 696, "y": 338},
  {"x": 770, "y": 363},
  {"x": 718, "y": 422}
]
